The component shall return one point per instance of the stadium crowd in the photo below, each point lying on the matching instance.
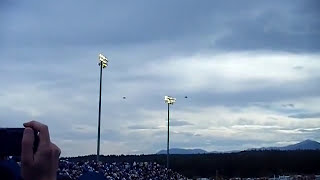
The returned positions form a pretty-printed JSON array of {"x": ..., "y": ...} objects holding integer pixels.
[
  {"x": 44, "y": 163},
  {"x": 116, "y": 171}
]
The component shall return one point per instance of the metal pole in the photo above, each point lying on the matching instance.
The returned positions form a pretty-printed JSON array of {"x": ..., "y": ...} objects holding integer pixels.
[
  {"x": 168, "y": 140},
  {"x": 99, "y": 117}
]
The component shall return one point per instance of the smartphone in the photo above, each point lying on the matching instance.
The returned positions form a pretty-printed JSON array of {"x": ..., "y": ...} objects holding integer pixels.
[{"x": 10, "y": 141}]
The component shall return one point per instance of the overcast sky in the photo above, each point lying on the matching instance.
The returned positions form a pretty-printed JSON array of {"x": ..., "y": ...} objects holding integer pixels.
[{"x": 250, "y": 69}]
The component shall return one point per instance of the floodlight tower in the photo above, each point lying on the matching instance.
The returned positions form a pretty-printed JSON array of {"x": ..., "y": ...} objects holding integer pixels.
[
  {"x": 103, "y": 63},
  {"x": 169, "y": 100}
]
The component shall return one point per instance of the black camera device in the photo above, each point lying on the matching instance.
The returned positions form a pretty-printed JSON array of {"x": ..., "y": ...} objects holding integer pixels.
[{"x": 10, "y": 141}]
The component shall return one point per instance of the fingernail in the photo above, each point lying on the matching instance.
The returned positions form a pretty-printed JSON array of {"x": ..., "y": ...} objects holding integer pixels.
[{"x": 28, "y": 130}]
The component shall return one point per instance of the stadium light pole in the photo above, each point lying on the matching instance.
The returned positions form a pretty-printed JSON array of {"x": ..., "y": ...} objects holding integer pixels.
[
  {"x": 169, "y": 100},
  {"x": 103, "y": 63}
]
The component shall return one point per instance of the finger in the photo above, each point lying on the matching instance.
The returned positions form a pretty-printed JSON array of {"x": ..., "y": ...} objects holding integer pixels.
[
  {"x": 27, "y": 147},
  {"x": 43, "y": 131},
  {"x": 56, "y": 150}
]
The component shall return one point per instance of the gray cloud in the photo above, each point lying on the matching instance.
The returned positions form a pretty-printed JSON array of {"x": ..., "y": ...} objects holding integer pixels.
[
  {"x": 298, "y": 67},
  {"x": 49, "y": 70},
  {"x": 288, "y": 105},
  {"x": 142, "y": 127},
  {"x": 179, "y": 123},
  {"x": 243, "y": 121},
  {"x": 12, "y": 118},
  {"x": 314, "y": 130},
  {"x": 245, "y": 25},
  {"x": 306, "y": 115},
  {"x": 269, "y": 95}
]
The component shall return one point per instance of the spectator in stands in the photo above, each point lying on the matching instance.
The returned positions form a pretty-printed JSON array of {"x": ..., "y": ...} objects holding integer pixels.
[{"x": 117, "y": 171}]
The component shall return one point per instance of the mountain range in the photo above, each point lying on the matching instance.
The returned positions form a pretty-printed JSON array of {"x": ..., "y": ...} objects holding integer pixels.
[
  {"x": 183, "y": 151},
  {"x": 304, "y": 145}
]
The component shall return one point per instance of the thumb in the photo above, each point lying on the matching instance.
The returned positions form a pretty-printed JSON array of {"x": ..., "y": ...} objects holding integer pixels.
[{"x": 27, "y": 147}]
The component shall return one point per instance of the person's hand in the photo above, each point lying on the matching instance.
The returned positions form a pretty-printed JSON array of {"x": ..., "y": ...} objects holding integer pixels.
[{"x": 43, "y": 164}]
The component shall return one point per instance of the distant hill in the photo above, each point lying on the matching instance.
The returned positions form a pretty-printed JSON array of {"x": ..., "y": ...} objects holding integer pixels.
[
  {"x": 304, "y": 145},
  {"x": 183, "y": 151}
]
